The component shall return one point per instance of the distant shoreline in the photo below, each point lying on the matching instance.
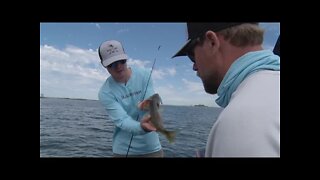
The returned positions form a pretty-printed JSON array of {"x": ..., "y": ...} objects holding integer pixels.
[
  {"x": 196, "y": 105},
  {"x": 200, "y": 105},
  {"x": 70, "y": 98}
]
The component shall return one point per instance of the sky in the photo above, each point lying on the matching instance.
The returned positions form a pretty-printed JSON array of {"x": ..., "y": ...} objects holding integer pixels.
[{"x": 70, "y": 65}]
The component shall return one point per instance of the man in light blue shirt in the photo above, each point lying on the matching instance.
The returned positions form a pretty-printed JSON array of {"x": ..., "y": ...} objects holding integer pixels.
[{"x": 120, "y": 95}]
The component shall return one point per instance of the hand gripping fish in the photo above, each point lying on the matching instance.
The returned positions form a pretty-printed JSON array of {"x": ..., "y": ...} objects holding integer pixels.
[{"x": 152, "y": 104}]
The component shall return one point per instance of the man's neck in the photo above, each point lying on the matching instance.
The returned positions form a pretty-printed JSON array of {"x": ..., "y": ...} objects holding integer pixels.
[{"x": 127, "y": 76}]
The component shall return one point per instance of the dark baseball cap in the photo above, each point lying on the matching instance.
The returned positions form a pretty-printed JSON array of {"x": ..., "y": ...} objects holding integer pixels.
[{"x": 195, "y": 30}]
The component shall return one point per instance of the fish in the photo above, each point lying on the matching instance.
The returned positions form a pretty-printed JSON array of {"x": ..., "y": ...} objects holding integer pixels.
[{"x": 152, "y": 105}]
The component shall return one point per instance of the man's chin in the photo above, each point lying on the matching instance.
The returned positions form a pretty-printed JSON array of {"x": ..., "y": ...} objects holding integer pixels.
[{"x": 210, "y": 90}]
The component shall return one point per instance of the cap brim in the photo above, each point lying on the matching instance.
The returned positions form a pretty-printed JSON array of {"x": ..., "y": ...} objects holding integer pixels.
[
  {"x": 184, "y": 50},
  {"x": 114, "y": 59}
]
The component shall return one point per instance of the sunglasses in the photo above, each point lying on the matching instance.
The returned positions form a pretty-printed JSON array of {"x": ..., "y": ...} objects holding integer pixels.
[
  {"x": 192, "y": 45},
  {"x": 115, "y": 64}
]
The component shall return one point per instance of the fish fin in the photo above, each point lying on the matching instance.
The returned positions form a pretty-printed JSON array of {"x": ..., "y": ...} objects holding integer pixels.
[
  {"x": 170, "y": 135},
  {"x": 147, "y": 115}
]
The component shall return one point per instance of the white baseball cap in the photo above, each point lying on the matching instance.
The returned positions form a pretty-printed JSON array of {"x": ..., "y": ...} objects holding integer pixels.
[{"x": 111, "y": 51}]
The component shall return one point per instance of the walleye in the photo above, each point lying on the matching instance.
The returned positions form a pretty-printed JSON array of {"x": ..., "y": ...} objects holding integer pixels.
[{"x": 152, "y": 104}]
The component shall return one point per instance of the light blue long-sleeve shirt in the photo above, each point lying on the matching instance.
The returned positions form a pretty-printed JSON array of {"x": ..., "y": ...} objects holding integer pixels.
[{"x": 120, "y": 101}]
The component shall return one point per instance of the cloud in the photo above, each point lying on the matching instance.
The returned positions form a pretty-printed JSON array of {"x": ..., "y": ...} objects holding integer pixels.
[
  {"x": 180, "y": 96},
  {"x": 121, "y": 31},
  {"x": 138, "y": 63},
  {"x": 158, "y": 74},
  {"x": 71, "y": 72},
  {"x": 77, "y": 73},
  {"x": 189, "y": 93},
  {"x": 193, "y": 86},
  {"x": 163, "y": 73},
  {"x": 71, "y": 60},
  {"x": 98, "y": 26},
  {"x": 172, "y": 71}
]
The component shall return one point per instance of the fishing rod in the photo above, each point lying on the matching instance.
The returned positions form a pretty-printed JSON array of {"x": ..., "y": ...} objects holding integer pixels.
[{"x": 154, "y": 62}]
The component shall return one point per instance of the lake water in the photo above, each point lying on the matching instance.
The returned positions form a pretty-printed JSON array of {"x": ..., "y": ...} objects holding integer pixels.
[{"x": 81, "y": 128}]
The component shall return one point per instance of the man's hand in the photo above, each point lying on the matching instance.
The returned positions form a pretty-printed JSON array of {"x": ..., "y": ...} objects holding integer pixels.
[{"x": 146, "y": 124}]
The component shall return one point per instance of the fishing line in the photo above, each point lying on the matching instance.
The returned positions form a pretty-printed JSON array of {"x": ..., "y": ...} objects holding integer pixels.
[{"x": 154, "y": 62}]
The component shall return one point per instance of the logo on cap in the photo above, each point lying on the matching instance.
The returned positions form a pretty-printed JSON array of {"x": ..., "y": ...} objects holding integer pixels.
[{"x": 112, "y": 49}]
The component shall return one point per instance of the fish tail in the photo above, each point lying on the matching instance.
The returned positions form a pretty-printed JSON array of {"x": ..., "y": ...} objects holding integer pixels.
[{"x": 170, "y": 135}]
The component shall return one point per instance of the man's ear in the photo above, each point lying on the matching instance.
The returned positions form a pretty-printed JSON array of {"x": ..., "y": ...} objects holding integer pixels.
[{"x": 213, "y": 39}]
